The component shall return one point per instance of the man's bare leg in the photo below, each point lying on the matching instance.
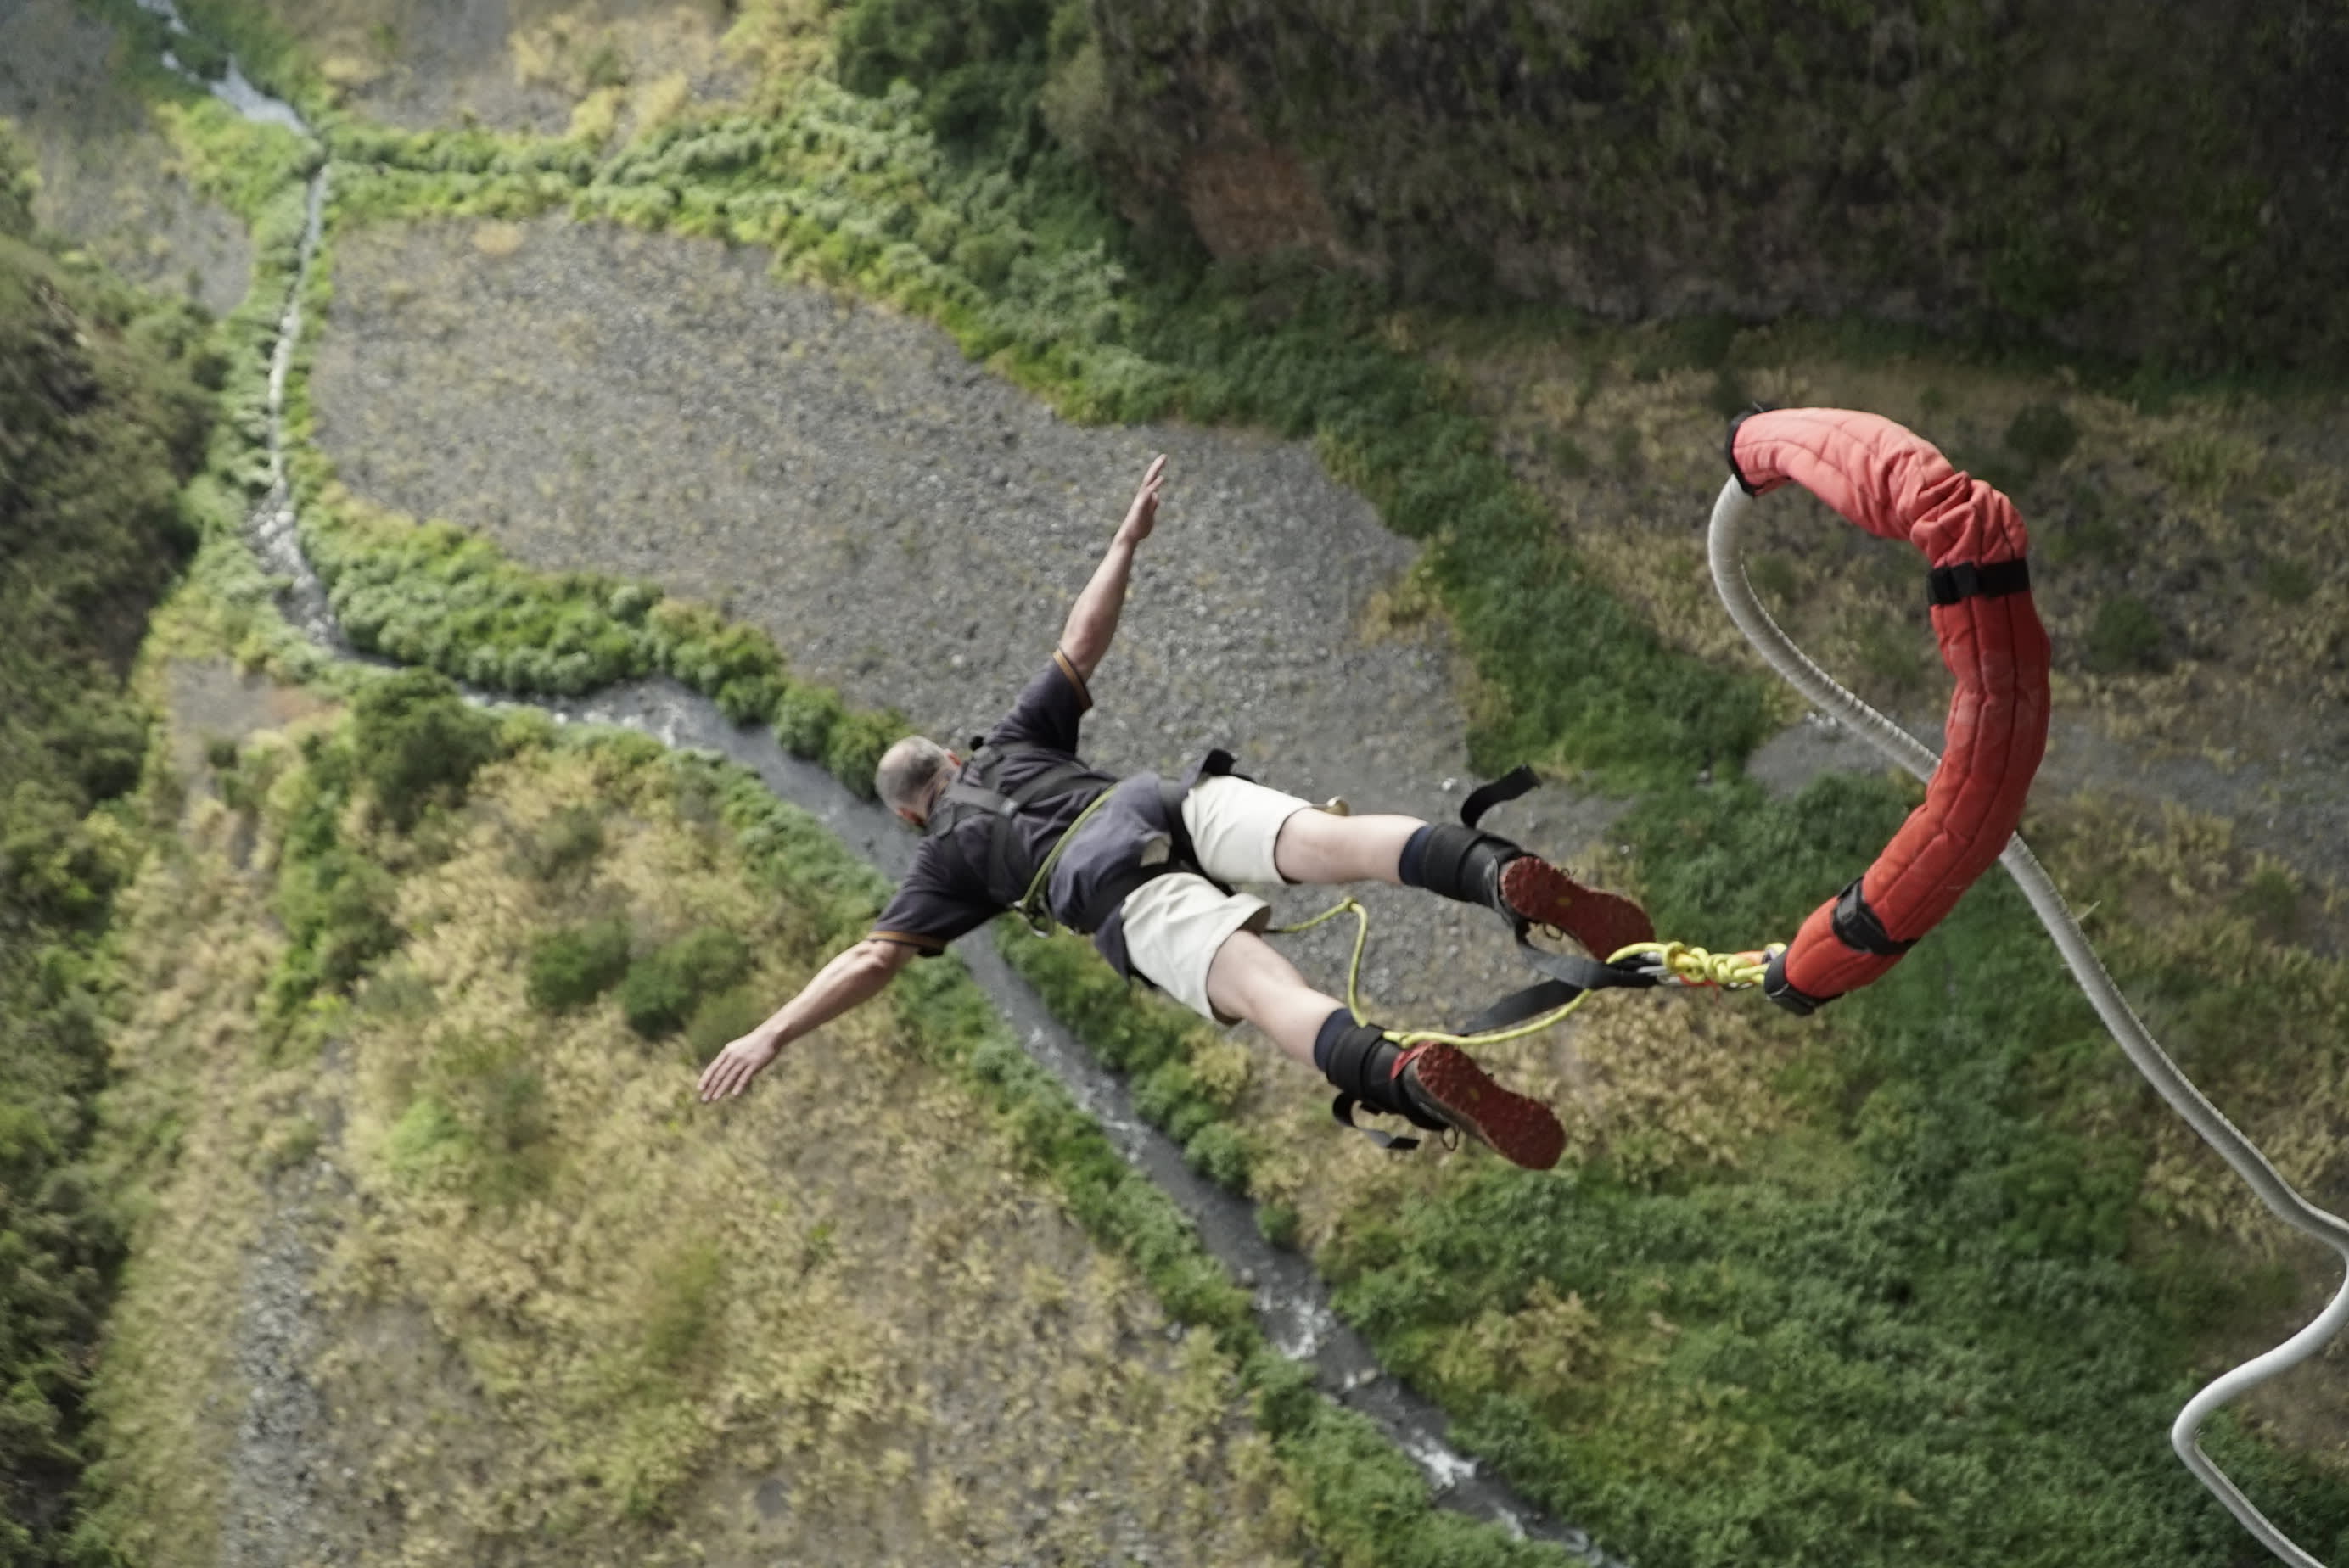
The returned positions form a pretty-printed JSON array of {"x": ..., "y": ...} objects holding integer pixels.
[
  {"x": 1317, "y": 847},
  {"x": 1249, "y": 979},
  {"x": 1459, "y": 863}
]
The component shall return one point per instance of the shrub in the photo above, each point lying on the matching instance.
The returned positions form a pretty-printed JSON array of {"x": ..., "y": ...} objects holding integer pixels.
[
  {"x": 336, "y": 906},
  {"x": 804, "y": 715},
  {"x": 572, "y": 838},
  {"x": 2286, "y": 582},
  {"x": 571, "y": 968},
  {"x": 663, "y": 990},
  {"x": 2041, "y": 434},
  {"x": 480, "y": 1123},
  {"x": 2126, "y": 636},
  {"x": 856, "y": 743},
  {"x": 415, "y": 742},
  {"x": 722, "y": 1019}
]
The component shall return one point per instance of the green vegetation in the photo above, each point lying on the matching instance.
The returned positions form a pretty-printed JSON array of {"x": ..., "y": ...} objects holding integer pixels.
[
  {"x": 1363, "y": 1502},
  {"x": 664, "y": 988},
  {"x": 413, "y": 746},
  {"x": 1970, "y": 1245},
  {"x": 2130, "y": 180},
  {"x": 573, "y": 966},
  {"x": 482, "y": 1133},
  {"x": 2126, "y": 635},
  {"x": 1925, "y": 1322},
  {"x": 103, "y": 410}
]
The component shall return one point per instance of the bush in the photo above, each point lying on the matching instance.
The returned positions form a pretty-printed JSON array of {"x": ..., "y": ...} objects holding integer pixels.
[
  {"x": 480, "y": 1123},
  {"x": 663, "y": 990},
  {"x": 854, "y": 747},
  {"x": 336, "y": 905},
  {"x": 571, "y": 968},
  {"x": 572, "y": 837},
  {"x": 804, "y": 715},
  {"x": 2286, "y": 582},
  {"x": 2041, "y": 434},
  {"x": 2125, "y": 636},
  {"x": 417, "y": 743}
]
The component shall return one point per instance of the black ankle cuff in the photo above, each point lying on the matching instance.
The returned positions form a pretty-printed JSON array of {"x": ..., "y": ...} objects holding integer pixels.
[
  {"x": 1461, "y": 862},
  {"x": 1361, "y": 1067}
]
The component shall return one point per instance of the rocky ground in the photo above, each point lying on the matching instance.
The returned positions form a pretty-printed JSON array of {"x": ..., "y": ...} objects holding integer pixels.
[
  {"x": 516, "y": 65},
  {"x": 911, "y": 528},
  {"x": 105, "y": 170}
]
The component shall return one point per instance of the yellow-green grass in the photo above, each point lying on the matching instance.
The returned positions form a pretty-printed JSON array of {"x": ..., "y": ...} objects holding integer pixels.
[{"x": 615, "y": 1312}]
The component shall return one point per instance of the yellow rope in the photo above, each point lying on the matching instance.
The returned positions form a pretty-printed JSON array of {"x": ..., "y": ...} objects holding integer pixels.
[
  {"x": 1686, "y": 963},
  {"x": 1698, "y": 966}
]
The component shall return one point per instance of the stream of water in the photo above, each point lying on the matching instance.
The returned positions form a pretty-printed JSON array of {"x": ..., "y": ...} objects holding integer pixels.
[{"x": 1292, "y": 1306}]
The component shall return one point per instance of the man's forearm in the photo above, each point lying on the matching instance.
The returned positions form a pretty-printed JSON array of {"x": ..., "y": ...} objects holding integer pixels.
[
  {"x": 852, "y": 978},
  {"x": 1092, "y": 620}
]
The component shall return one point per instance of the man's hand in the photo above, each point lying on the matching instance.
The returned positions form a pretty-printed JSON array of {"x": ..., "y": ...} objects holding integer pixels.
[
  {"x": 1143, "y": 515},
  {"x": 729, "y": 1072}
]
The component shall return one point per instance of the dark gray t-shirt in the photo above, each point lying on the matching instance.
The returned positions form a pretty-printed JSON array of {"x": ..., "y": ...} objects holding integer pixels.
[{"x": 945, "y": 896}]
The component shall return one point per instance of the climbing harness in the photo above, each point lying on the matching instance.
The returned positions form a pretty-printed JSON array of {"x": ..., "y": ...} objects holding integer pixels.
[
  {"x": 1778, "y": 448},
  {"x": 973, "y": 793}
]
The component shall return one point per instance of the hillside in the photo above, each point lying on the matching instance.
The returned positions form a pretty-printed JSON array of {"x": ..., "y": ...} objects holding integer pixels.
[
  {"x": 2131, "y": 182},
  {"x": 103, "y": 412},
  {"x": 431, "y": 1264},
  {"x": 799, "y": 356}
]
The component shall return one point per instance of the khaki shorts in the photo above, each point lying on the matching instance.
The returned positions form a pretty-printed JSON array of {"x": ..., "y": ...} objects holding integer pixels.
[{"x": 1175, "y": 925}]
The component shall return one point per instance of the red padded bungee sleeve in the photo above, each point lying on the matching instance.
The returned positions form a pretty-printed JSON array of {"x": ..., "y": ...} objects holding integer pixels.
[{"x": 1895, "y": 485}]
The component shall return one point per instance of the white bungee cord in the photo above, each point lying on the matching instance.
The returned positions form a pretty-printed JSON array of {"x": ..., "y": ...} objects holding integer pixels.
[{"x": 1823, "y": 691}]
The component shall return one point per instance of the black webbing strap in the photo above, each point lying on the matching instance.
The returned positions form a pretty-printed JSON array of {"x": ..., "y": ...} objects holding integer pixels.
[
  {"x": 1217, "y": 764},
  {"x": 1784, "y": 993},
  {"x": 1965, "y": 580},
  {"x": 1565, "y": 976},
  {"x": 1342, "y": 1107},
  {"x": 1517, "y": 781},
  {"x": 1518, "y": 1006},
  {"x": 1003, "y": 876},
  {"x": 1856, "y": 926}
]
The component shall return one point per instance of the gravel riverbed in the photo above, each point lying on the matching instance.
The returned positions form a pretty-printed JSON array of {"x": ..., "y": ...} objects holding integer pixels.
[{"x": 910, "y": 527}]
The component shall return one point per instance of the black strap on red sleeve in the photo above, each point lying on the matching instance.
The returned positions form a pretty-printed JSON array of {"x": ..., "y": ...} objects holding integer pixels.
[
  {"x": 1965, "y": 580},
  {"x": 1856, "y": 926},
  {"x": 1785, "y": 993},
  {"x": 1729, "y": 446}
]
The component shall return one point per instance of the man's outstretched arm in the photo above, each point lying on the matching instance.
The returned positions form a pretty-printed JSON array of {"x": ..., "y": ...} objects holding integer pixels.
[
  {"x": 1092, "y": 620},
  {"x": 854, "y": 976}
]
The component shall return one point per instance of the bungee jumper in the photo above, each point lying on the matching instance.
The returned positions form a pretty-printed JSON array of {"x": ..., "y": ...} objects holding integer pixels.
[{"x": 1146, "y": 866}]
